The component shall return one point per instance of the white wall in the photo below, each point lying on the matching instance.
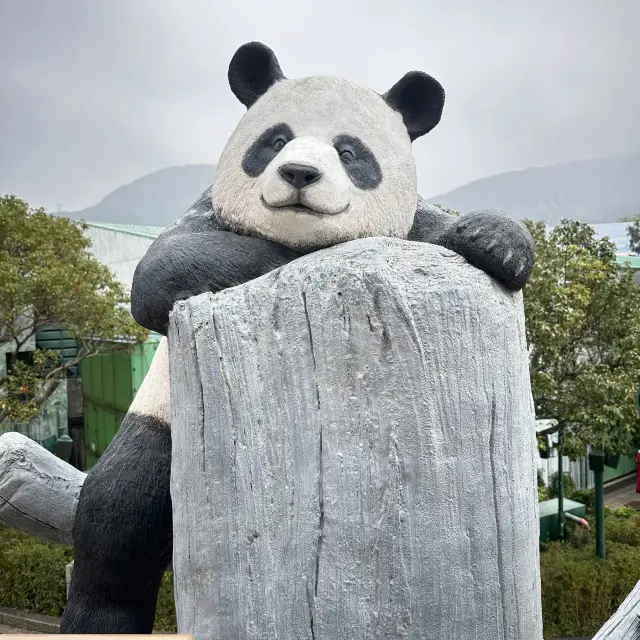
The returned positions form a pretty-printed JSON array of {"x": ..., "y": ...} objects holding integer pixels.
[{"x": 119, "y": 251}]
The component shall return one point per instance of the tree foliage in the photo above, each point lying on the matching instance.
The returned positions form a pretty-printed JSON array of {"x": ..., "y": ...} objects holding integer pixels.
[
  {"x": 583, "y": 332},
  {"x": 633, "y": 232},
  {"x": 49, "y": 277}
]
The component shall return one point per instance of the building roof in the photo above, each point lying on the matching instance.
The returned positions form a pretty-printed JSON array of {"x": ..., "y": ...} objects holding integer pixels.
[{"x": 144, "y": 231}]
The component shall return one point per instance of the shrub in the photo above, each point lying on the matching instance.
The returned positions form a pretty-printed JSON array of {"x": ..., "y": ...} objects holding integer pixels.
[
  {"x": 580, "y": 592},
  {"x": 622, "y": 526},
  {"x": 32, "y": 578},
  {"x": 585, "y": 496},
  {"x": 166, "y": 611},
  {"x": 32, "y": 573},
  {"x": 569, "y": 486}
]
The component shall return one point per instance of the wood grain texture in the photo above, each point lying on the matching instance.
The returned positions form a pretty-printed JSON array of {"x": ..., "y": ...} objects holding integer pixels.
[
  {"x": 625, "y": 624},
  {"x": 354, "y": 453},
  {"x": 38, "y": 491}
]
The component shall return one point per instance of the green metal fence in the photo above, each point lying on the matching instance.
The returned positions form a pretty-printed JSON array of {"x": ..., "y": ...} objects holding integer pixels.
[{"x": 110, "y": 383}]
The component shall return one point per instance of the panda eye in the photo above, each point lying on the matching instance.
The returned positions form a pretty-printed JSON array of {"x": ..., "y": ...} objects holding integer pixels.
[
  {"x": 279, "y": 143},
  {"x": 346, "y": 155}
]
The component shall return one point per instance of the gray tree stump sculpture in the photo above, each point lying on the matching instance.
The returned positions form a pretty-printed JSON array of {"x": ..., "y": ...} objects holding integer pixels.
[{"x": 354, "y": 453}]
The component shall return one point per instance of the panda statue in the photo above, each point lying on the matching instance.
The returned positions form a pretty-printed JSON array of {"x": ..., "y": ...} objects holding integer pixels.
[{"x": 313, "y": 162}]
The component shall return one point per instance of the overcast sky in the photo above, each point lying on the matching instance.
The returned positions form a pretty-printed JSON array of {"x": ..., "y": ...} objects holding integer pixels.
[{"x": 96, "y": 93}]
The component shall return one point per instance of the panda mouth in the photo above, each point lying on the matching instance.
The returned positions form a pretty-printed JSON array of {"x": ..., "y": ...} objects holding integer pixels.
[
  {"x": 301, "y": 208},
  {"x": 298, "y": 207}
]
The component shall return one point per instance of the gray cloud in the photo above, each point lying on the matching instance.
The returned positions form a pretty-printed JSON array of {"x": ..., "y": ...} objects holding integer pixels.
[{"x": 95, "y": 94}]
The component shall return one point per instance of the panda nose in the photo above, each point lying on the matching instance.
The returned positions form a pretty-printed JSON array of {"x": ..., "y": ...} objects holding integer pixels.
[{"x": 299, "y": 175}]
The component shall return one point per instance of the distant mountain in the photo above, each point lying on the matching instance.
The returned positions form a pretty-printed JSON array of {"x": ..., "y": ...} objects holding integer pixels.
[
  {"x": 157, "y": 199},
  {"x": 595, "y": 191}
]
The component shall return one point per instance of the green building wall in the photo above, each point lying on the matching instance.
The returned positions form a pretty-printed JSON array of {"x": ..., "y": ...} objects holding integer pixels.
[{"x": 109, "y": 384}]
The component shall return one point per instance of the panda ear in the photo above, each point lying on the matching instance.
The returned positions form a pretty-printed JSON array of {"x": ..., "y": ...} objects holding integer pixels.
[
  {"x": 253, "y": 69},
  {"x": 419, "y": 99}
]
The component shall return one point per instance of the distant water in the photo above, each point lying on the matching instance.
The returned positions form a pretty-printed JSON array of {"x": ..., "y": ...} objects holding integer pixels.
[{"x": 617, "y": 232}]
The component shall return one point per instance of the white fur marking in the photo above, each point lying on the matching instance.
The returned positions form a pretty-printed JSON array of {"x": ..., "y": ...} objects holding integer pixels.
[{"x": 153, "y": 397}]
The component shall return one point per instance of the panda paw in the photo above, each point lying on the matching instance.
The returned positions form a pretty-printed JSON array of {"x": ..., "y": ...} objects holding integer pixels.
[{"x": 494, "y": 242}]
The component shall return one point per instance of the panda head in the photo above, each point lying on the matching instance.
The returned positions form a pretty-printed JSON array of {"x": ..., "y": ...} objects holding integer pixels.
[{"x": 319, "y": 161}]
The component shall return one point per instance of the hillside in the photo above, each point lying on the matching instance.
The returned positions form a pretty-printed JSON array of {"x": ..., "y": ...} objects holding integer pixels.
[
  {"x": 597, "y": 190},
  {"x": 157, "y": 199}
]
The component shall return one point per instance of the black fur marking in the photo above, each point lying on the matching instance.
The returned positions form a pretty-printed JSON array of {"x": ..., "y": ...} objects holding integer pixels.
[
  {"x": 419, "y": 99},
  {"x": 253, "y": 70},
  {"x": 264, "y": 149},
  {"x": 198, "y": 215},
  {"x": 123, "y": 533},
  {"x": 195, "y": 255},
  {"x": 362, "y": 167}
]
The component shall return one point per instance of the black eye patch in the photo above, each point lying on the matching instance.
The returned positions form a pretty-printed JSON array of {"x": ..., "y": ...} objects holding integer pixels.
[
  {"x": 265, "y": 149},
  {"x": 358, "y": 161}
]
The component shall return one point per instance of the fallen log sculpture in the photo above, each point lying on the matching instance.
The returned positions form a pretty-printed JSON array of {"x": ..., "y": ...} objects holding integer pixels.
[
  {"x": 38, "y": 491},
  {"x": 354, "y": 453}
]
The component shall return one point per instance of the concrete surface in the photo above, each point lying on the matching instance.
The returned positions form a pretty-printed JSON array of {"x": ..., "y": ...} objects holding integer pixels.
[
  {"x": 13, "y": 621},
  {"x": 4, "y": 629},
  {"x": 621, "y": 493},
  {"x": 27, "y": 622}
]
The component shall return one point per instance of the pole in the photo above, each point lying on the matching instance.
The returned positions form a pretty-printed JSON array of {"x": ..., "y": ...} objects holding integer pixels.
[
  {"x": 599, "y": 490},
  {"x": 596, "y": 464},
  {"x": 560, "y": 485}
]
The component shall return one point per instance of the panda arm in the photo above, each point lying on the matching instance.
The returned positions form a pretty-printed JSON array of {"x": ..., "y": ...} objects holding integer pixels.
[
  {"x": 488, "y": 239},
  {"x": 194, "y": 256}
]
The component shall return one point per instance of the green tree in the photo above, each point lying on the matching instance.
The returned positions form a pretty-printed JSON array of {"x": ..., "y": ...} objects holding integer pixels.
[
  {"x": 633, "y": 232},
  {"x": 583, "y": 333},
  {"x": 49, "y": 277}
]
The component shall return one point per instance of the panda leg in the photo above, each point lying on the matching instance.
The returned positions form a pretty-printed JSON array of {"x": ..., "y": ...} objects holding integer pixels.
[{"x": 123, "y": 527}]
